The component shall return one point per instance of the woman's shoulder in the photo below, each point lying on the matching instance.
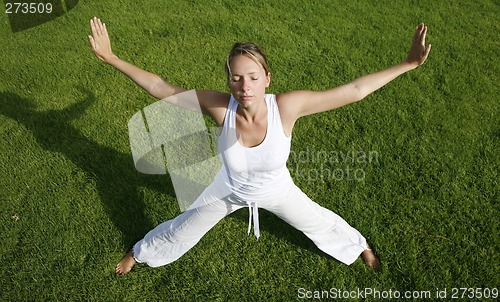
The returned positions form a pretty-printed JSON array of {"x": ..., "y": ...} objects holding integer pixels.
[
  {"x": 214, "y": 103},
  {"x": 287, "y": 101},
  {"x": 287, "y": 107}
]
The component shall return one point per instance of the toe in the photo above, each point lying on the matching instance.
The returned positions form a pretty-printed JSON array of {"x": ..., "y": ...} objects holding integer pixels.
[{"x": 370, "y": 259}]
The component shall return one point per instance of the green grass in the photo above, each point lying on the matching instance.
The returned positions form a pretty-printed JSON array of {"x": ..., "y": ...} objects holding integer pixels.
[{"x": 428, "y": 204}]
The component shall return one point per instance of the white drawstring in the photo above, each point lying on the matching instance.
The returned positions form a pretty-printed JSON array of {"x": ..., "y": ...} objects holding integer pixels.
[{"x": 253, "y": 210}]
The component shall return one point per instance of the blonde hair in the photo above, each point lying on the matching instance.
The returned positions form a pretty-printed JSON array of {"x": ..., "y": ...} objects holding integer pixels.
[{"x": 247, "y": 49}]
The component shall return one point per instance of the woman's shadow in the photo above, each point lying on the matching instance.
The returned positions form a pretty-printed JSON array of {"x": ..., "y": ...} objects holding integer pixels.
[{"x": 113, "y": 172}]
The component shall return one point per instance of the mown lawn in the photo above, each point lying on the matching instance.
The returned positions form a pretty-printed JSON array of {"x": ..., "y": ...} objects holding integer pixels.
[{"x": 71, "y": 201}]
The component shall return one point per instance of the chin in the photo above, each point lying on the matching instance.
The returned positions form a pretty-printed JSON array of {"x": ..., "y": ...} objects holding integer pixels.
[{"x": 246, "y": 103}]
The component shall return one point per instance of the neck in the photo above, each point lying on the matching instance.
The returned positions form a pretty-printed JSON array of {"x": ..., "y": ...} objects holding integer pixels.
[{"x": 252, "y": 112}]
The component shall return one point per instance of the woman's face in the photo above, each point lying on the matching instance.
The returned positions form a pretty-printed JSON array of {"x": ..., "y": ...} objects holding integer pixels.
[{"x": 248, "y": 80}]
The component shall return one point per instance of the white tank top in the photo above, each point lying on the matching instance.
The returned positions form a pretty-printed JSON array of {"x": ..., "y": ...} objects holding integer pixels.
[{"x": 255, "y": 174}]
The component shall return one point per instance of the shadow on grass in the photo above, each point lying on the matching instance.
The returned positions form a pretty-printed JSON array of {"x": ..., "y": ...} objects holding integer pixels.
[
  {"x": 22, "y": 16},
  {"x": 276, "y": 227},
  {"x": 113, "y": 172},
  {"x": 116, "y": 179}
]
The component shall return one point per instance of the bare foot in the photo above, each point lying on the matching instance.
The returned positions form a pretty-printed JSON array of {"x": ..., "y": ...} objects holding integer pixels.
[
  {"x": 126, "y": 264},
  {"x": 370, "y": 259}
]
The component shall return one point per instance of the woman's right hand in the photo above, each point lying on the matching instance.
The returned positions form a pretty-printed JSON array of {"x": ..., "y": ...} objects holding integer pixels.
[
  {"x": 419, "y": 51},
  {"x": 99, "y": 41}
]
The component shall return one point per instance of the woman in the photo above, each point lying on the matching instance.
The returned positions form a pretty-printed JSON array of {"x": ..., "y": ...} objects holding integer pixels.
[{"x": 258, "y": 127}]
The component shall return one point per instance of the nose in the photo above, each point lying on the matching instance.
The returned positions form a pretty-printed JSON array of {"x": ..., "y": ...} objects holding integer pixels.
[{"x": 245, "y": 84}]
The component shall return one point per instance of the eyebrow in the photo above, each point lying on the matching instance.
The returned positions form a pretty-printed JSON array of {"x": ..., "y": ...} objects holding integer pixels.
[{"x": 239, "y": 75}]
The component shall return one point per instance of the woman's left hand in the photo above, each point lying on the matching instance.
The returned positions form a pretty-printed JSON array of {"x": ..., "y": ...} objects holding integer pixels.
[
  {"x": 418, "y": 51},
  {"x": 99, "y": 40}
]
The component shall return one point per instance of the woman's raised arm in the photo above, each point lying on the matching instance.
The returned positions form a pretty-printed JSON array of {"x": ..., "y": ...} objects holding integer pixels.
[
  {"x": 301, "y": 103},
  {"x": 151, "y": 83},
  {"x": 212, "y": 103}
]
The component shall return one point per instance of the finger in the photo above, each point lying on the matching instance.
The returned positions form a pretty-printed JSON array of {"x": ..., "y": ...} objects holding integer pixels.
[
  {"x": 100, "y": 26},
  {"x": 92, "y": 42},
  {"x": 93, "y": 27},
  {"x": 418, "y": 33},
  {"x": 97, "y": 26},
  {"x": 104, "y": 29},
  {"x": 418, "y": 29},
  {"x": 427, "y": 50},
  {"x": 421, "y": 30},
  {"x": 424, "y": 34},
  {"x": 425, "y": 54}
]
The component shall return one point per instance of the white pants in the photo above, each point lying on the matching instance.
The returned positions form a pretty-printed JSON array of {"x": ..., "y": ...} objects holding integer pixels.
[{"x": 171, "y": 239}]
